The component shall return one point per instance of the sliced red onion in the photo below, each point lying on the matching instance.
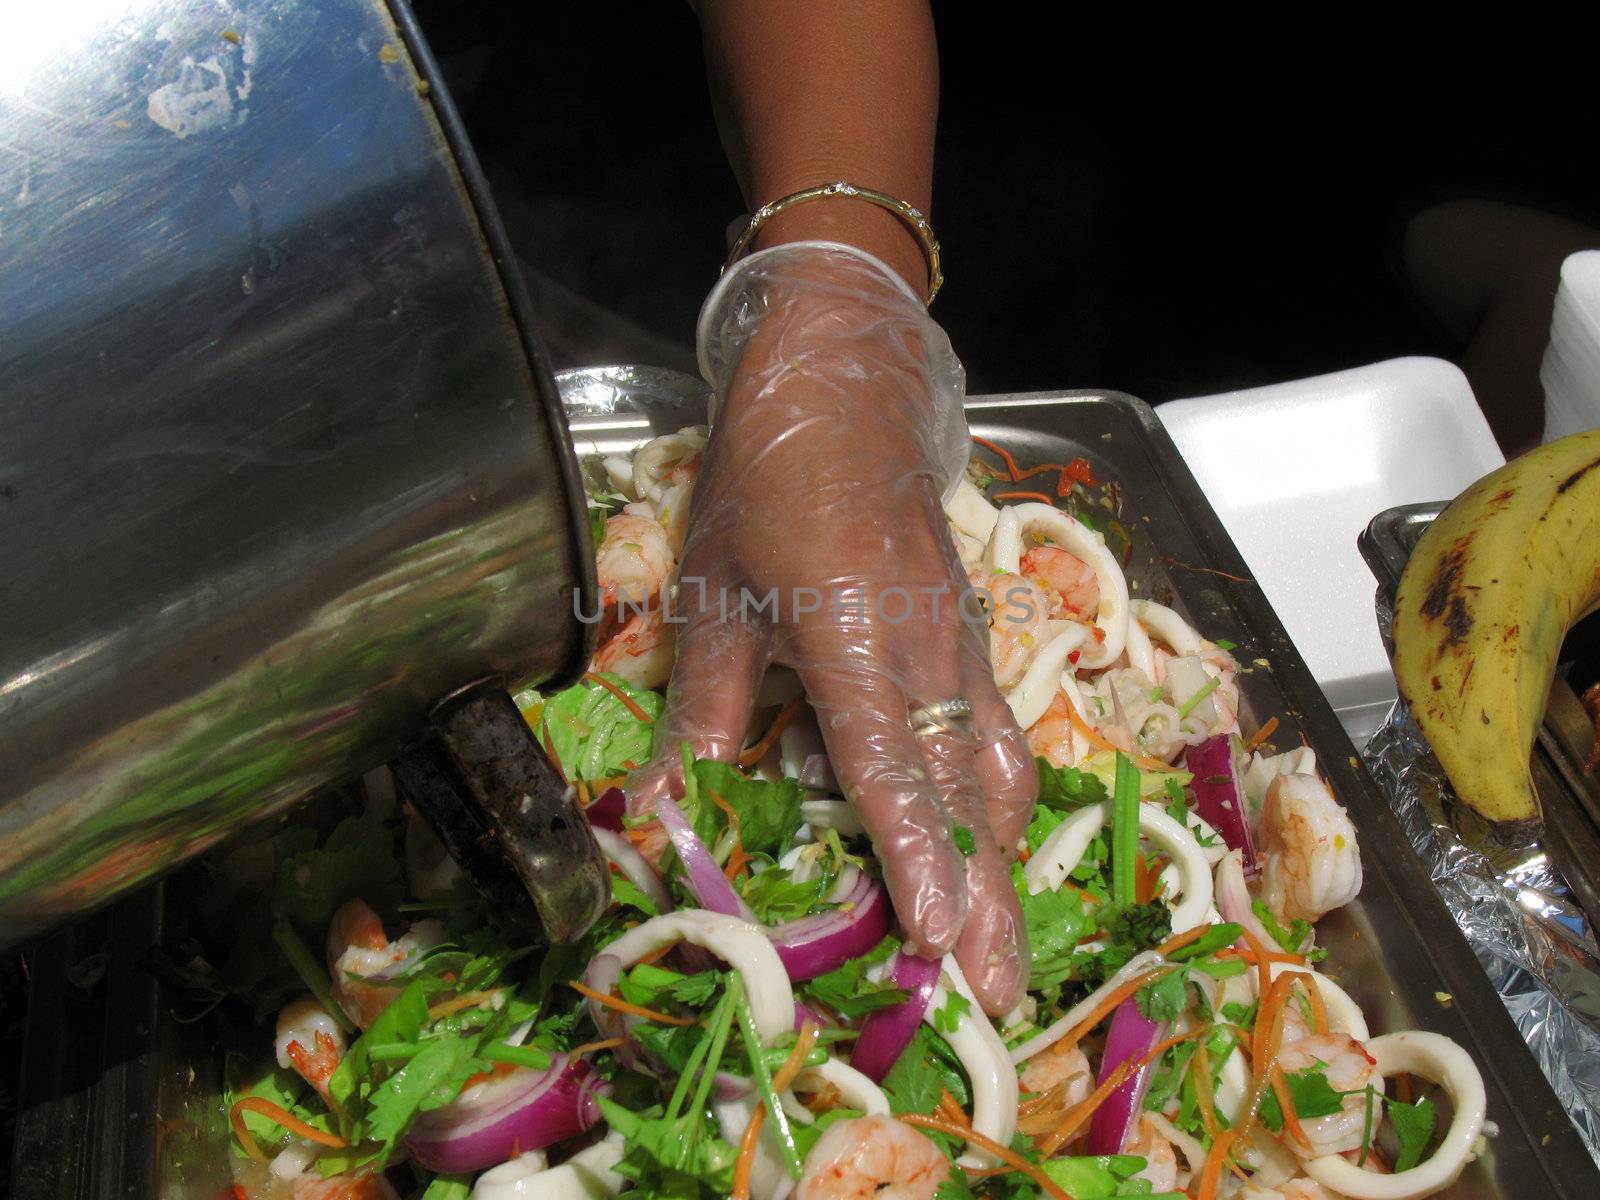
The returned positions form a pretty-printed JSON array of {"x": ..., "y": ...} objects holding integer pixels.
[
  {"x": 802, "y": 1014},
  {"x": 601, "y": 976},
  {"x": 817, "y": 944},
  {"x": 524, "y": 1110},
  {"x": 1132, "y": 1035},
  {"x": 706, "y": 880},
  {"x": 617, "y": 849},
  {"x": 887, "y": 1032},
  {"x": 607, "y": 810},
  {"x": 1219, "y": 796}
]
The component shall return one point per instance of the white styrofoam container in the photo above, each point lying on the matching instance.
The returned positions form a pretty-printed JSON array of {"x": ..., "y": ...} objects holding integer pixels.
[{"x": 1296, "y": 470}]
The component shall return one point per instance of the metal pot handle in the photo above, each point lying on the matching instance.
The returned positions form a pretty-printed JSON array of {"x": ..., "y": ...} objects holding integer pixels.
[{"x": 481, "y": 780}]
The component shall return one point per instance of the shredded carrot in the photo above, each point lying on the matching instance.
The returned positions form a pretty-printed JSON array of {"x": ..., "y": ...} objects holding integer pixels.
[
  {"x": 1212, "y": 1171},
  {"x": 1005, "y": 456},
  {"x": 1039, "y": 496},
  {"x": 729, "y": 811},
  {"x": 621, "y": 1005},
  {"x": 796, "y": 1062},
  {"x": 1024, "y": 855},
  {"x": 464, "y": 1001},
  {"x": 1075, "y": 1117},
  {"x": 657, "y": 954},
  {"x": 628, "y": 701},
  {"x": 781, "y": 1079},
  {"x": 496, "y": 1071},
  {"x": 288, "y": 1120},
  {"x": 1144, "y": 879},
  {"x": 753, "y": 755},
  {"x": 1261, "y": 735},
  {"x": 987, "y": 1144},
  {"x": 583, "y": 793},
  {"x": 1291, "y": 1119},
  {"x": 951, "y": 1108},
  {"x": 1199, "y": 1071},
  {"x": 591, "y": 1047},
  {"x": 1105, "y": 1008},
  {"x": 1263, "y": 971},
  {"x": 1262, "y": 1052},
  {"x": 1039, "y": 470},
  {"x": 1179, "y": 940},
  {"x": 1402, "y": 1089},
  {"x": 747, "y": 1155},
  {"x": 1319, "y": 1007},
  {"x": 237, "y": 1192},
  {"x": 1272, "y": 956}
]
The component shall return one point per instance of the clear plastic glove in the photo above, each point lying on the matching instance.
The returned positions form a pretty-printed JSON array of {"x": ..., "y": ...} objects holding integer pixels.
[{"x": 817, "y": 540}]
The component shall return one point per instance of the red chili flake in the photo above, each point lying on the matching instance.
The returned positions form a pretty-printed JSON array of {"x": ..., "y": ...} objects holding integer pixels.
[
  {"x": 1074, "y": 657},
  {"x": 1076, "y": 471}
]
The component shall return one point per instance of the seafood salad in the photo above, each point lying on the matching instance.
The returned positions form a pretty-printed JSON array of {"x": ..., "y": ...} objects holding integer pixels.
[{"x": 745, "y": 1020}]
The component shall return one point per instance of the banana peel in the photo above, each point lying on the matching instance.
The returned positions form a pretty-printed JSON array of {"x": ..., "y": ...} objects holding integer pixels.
[{"x": 1485, "y": 601}]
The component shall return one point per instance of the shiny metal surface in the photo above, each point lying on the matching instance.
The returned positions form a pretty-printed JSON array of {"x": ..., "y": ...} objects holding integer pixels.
[
  {"x": 506, "y": 815},
  {"x": 276, "y": 467}
]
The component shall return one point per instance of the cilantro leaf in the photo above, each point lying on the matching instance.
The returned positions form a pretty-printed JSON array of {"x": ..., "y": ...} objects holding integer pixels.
[
  {"x": 769, "y": 811},
  {"x": 920, "y": 1076},
  {"x": 1055, "y": 921},
  {"x": 774, "y": 897},
  {"x": 1413, "y": 1124},
  {"x": 629, "y": 896},
  {"x": 448, "y": 1187},
  {"x": 1225, "y": 644},
  {"x": 1310, "y": 1093},
  {"x": 681, "y": 1145},
  {"x": 1096, "y": 1178},
  {"x": 965, "y": 842},
  {"x": 1067, "y": 789},
  {"x": 847, "y": 990},
  {"x": 1165, "y": 999},
  {"x": 947, "y": 1019},
  {"x": 1294, "y": 939}
]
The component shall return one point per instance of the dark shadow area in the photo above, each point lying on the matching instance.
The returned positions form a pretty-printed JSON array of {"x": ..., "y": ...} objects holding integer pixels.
[{"x": 1171, "y": 219}]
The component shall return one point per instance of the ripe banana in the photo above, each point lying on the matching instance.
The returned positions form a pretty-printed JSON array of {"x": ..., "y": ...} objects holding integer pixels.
[{"x": 1485, "y": 601}]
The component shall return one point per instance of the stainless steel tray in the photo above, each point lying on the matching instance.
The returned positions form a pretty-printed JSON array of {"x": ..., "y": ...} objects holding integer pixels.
[{"x": 1396, "y": 949}]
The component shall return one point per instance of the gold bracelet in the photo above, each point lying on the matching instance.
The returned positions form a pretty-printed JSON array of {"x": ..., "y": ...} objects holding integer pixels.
[{"x": 913, "y": 218}]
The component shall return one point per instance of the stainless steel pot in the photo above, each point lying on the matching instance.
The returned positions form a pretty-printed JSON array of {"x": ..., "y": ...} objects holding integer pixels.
[{"x": 279, "y": 464}]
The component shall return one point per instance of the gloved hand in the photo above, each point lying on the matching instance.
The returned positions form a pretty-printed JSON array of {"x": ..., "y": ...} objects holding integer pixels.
[{"x": 836, "y": 433}]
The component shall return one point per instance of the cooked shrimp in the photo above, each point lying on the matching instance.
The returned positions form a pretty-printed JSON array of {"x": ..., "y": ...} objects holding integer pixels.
[
  {"x": 666, "y": 461},
  {"x": 642, "y": 651},
  {"x": 358, "y": 949},
  {"x": 1053, "y": 737},
  {"x": 1070, "y": 583},
  {"x": 1059, "y": 1061},
  {"x": 364, "y": 1185},
  {"x": 634, "y": 560},
  {"x": 1160, "y": 1159},
  {"x": 1019, "y": 624},
  {"x": 872, "y": 1158},
  {"x": 1313, "y": 864},
  {"x": 1349, "y": 1069},
  {"x": 310, "y": 1041}
]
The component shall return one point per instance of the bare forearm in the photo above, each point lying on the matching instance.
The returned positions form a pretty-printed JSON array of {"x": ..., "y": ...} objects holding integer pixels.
[{"x": 810, "y": 91}]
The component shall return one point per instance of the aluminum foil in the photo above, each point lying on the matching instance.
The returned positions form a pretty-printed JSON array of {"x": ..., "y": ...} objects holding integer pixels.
[{"x": 1515, "y": 910}]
